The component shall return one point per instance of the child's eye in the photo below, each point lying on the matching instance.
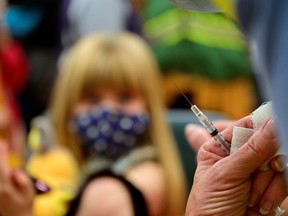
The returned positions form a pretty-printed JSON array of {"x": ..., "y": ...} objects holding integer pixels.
[
  {"x": 92, "y": 99},
  {"x": 124, "y": 98}
]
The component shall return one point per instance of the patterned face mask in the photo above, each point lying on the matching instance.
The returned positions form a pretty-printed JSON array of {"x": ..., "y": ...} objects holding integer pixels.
[{"x": 110, "y": 133}]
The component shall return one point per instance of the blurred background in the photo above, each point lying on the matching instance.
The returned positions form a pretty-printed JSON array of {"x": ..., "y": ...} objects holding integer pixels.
[{"x": 205, "y": 54}]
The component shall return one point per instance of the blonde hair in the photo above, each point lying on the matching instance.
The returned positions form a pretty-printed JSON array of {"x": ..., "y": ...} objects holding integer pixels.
[{"x": 125, "y": 61}]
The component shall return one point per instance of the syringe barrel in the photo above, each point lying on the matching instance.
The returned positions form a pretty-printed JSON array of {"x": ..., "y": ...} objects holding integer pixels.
[
  {"x": 223, "y": 144},
  {"x": 203, "y": 119},
  {"x": 211, "y": 128},
  {"x": 208, "y": 125}
]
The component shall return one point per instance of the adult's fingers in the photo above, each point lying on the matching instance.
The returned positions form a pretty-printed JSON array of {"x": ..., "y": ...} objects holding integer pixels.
[
  {"x": 260, "y": 181},
  {"x": 196, "y": 134},
  {"x": 274, "y": 194},
  {"x": 213, "y": 146},
  {"x": 222, "y": 124},
  {"x": 257, "y": 150}
]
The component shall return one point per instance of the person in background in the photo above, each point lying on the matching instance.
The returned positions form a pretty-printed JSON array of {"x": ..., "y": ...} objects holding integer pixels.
[
  {"x": 81, "y": 18},
  {"x": 117, "y": 89},
  {"x": 108, "y": 116}
]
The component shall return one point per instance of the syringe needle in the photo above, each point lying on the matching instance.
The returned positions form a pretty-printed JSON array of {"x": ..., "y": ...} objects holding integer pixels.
[{"x": 183, "y": 94}]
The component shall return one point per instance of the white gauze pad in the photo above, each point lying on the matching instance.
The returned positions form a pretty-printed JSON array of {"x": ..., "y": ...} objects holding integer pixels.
[{"x": 241, "y": 135}]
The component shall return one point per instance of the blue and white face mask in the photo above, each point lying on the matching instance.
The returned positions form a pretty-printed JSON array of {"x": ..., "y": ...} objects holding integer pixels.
[{"x": 109, "y": 133}]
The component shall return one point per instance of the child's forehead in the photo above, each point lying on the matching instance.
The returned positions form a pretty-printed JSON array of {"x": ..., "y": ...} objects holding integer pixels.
[
  {"x": 115, "y": 78},
  {"x": 111, "y": 87}
]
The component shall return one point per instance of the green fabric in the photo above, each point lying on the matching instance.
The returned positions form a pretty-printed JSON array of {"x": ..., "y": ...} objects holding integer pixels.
[
  {"x": 190, "y": 57},
  {"x": 195, "y": 42},
  {"x": 214, "y": 30}
]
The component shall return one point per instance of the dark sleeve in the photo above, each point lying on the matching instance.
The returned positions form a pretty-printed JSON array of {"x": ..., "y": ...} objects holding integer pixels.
[
  {"x": 138, "y": 201},
  {"x": 266, "y": 26}
]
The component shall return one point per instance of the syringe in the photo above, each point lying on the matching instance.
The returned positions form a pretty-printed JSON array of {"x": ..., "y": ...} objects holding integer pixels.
[
  {"x": 210, "y": 128},
  {"x": 207, "y": 124}
]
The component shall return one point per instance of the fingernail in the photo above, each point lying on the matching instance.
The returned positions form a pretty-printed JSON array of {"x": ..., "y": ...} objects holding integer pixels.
[
  {"x": 250, "y": 205},
  {"x": 190, "y": 126},
  {"x": 279, "y": 166},
  {"x": 280, "y": 163},
  {"x": 262, "y": 211},
  {"x": 266, "y": 208}
]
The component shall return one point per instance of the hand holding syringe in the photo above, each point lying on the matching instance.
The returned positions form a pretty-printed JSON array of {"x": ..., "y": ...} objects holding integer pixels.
[
  {"x": 203, "y": 119},
  {"x": 210, "y": 128},
  {"x": 218, "y": 137}
]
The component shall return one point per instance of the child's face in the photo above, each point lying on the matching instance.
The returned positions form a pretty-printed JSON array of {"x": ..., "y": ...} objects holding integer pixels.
[
  {"x": 127, "y": 102},
  {"x": 110, "y": 123}
]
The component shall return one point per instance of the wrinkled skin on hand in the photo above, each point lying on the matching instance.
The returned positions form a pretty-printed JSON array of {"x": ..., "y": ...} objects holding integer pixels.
[{"x": 229, "y": 185}]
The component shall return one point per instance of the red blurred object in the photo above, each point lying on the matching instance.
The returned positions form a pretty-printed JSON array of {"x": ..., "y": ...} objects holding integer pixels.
[{"x": 14, "y": 67}]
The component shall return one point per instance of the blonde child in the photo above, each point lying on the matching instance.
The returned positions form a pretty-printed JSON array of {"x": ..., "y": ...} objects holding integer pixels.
[{"x": 108, "y": 111}]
